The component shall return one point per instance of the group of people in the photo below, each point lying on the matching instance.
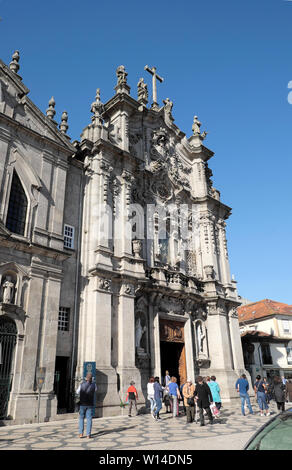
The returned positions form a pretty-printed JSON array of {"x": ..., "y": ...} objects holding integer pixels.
[
  {"x": 204, "y": 393},
  {"x": 278, "y": 389}
]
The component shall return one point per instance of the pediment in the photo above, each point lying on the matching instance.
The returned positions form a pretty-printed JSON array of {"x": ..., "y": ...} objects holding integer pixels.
[
  {"x": 15, "y": 104},
  {"x": 11, "y": 266}
]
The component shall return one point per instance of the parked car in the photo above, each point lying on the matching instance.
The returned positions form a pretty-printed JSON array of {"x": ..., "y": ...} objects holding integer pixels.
[{"x": 276, "y": 434}]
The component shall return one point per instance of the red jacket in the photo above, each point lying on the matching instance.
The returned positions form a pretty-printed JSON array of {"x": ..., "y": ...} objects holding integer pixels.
[{"x": 132, "y": 390}]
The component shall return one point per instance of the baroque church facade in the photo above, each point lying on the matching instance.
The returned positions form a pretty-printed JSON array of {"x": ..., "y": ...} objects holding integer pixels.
[{"x": 112, "y": 251}]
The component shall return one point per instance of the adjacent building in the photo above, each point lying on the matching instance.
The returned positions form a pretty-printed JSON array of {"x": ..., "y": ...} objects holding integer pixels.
[{"x": 266, "y": 335}]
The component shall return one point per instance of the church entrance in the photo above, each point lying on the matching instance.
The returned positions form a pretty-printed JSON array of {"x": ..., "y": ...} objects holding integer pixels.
[{"x": 172, "y": 350}]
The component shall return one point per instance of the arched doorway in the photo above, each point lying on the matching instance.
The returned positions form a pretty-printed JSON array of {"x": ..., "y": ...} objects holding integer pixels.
[{"x": 8, "y": 335}]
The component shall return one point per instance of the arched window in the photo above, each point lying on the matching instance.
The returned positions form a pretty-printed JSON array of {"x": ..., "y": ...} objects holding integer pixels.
[{"x": 17, "y": 208}]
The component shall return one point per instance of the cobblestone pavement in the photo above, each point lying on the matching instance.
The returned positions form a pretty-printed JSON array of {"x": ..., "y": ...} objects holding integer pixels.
[{"x": 141, "y": 432}]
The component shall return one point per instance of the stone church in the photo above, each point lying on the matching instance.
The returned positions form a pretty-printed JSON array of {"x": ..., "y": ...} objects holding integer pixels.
[{"x": 112, "y": 250}]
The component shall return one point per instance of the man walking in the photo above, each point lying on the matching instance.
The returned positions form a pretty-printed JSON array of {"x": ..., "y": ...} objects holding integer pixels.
[
  {"x": 260, "y": 391},
  {"x": 242, "y": 388},
  {"x": 158, "y": 394},
  {"x": 86, "y": 391},
  {"x": 132, "y": 396}
]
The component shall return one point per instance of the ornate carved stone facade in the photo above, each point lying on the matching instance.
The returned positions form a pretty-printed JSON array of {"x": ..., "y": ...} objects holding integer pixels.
[{"x": 125, "y": 231}]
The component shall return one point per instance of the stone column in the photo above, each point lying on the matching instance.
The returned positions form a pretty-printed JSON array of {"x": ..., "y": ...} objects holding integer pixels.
[
  {"x": 157, "y": 358},
  {"x": 236, "y": 340},
  {"x": 189, "y": 346},
  {"x": 220, "y": 350},
  {"x": 127, "y": 369}
]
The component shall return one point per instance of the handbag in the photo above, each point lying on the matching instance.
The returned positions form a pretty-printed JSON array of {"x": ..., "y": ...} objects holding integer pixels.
[
  {"x": 191, "y": 401},
  {"x": 214, "y": 409}
]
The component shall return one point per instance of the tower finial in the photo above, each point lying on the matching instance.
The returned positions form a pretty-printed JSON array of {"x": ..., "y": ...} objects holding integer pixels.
[
  {"x": 51, "y": 109},
  {"x": 97, "y": 108},
  {"x": 63, "y": 125},
  {"x": 14, "y": 65}
]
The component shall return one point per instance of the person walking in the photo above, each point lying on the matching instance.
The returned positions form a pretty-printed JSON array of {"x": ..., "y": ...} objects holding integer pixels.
[
  {"x": 150, "y": 395},
  {"x": 204, "y": 398},
  {"x": 174, "y": 395},
  {"x": 278, "y": 390},
  {"x": 215, "y": 390},
  {"x": 189, "y": 400},
  {"x": 260, "y": 390},
  {"x": 158, "y": 394},
  {"x": 242, "y": 388},
  {"x": 166, "y": 379},
  {"x": 289, "y": 390},
  {"x": 132, "y": 397},
  {"x": 86, "y": 392}
]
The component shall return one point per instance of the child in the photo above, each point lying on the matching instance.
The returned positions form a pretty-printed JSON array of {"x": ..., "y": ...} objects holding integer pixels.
[{"x": 132, "y": 396}]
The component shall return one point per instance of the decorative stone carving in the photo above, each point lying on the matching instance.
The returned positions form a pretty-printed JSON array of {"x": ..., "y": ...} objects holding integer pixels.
[
  {"x": 139, "y": 332},
  {"x": 64, "y": 125},
  {"x": 128, "y": 289},
  {"x": 171, "y": 331},
  {"x": 121, "y": 75},
  {"x": 196, "y": 129},
  {"x": 142, "y": 92},
  {"x": 51, "y": 109},
  {"x": 97, "y": 108},
  {"x": 104, "y": 284},
  {"x": 209, "y": 271},
  {"x": 137, "y": 248},
  {"x": 14, "y": 65}
]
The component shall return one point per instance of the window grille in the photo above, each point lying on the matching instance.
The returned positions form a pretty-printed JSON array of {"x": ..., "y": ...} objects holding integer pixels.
[
  {"x": 17, "y": 208},
  {"x": 64, "y": 317},
  {"x": 68, "y": 236}
]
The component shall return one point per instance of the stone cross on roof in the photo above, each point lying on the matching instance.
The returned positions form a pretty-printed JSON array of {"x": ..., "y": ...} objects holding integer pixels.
[{"x": 154, "y": 86}]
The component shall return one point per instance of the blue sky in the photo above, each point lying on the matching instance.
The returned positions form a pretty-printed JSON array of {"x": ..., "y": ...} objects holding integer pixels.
[{"x": 227, "y": 61}]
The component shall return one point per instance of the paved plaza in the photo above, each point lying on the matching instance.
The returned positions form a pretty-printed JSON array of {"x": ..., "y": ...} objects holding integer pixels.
[{"x": 142, "y": 432}]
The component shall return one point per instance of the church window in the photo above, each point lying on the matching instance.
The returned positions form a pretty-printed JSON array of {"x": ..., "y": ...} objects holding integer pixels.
[
  {"x": 17, "y": 208},
  {"x": 63, "y": 321},
  {"x": 68, "y": 237}
]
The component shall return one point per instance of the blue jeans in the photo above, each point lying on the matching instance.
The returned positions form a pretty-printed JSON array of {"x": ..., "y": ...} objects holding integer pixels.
[
  {"x": 88, "y": 412},
  {"x": 152, "y": 404},
  {"x": 245, "y": 398},
  {"x": 261, "y": 396},
  {"x": 158, "y": 406}
]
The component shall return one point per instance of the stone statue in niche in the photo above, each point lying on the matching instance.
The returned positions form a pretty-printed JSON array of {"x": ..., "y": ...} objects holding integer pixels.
[
  {"x": 8, "y": 290},
  {"x": 200, "y": 337},
  {"x": 139, "y": 332}
]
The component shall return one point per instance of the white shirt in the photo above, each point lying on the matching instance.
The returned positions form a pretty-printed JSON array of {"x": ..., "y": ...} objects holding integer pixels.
[{"x": 150, "y": 390}]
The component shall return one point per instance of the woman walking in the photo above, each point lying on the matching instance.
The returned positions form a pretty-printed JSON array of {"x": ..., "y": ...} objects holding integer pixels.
[
  {"x": 150, "y": 395},
  {"x": 278, "y": 391},
  {"x": 260, "y": 390},
  {"x": 189, "y": 400},
  {"x": 174, "y": 396},
  {"x": 158, "y": 394},
  {"x": 215, "y": 390}
]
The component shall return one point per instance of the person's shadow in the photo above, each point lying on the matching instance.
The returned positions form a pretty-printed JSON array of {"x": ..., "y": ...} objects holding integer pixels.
[{"x": 111, "y": 431}]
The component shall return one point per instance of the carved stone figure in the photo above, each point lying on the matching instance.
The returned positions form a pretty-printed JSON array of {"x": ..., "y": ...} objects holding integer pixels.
[
  {"x": 200, "y": 337},
  {"x": 121, "y": 75},
  {"x": 139, "y": 331},
  {"x": 8, "y": 290},
  {"x": 142, "y": 91}
]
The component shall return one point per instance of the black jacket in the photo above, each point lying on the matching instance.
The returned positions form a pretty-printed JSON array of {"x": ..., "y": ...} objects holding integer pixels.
[
  {"x": 204, "y": 395},
  {"x": 278, "y": 391}
]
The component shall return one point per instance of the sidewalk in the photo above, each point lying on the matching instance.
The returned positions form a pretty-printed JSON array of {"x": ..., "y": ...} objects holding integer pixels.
[{"x": 230, "y": 432}]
